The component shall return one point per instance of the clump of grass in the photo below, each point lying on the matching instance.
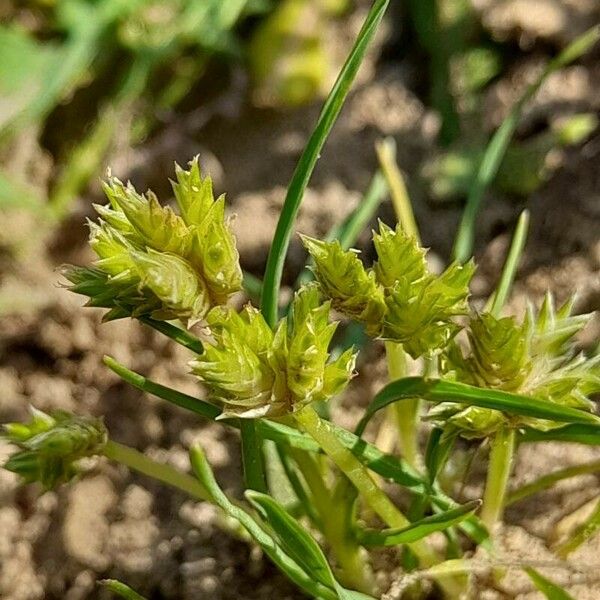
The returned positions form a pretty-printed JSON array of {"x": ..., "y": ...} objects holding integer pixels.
[{"x": 516, "y": 380}]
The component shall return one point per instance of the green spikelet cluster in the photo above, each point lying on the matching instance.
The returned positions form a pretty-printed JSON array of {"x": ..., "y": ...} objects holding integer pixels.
[
  {"x": 253, "y": 371},
  {"x": 51, "y": 446},
  {"x": 152, "y": 261},
  {"x": 535, "y": 358},
  {"x": 398, "y": 299}
]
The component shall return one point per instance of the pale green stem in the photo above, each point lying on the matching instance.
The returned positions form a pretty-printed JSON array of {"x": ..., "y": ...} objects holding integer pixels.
[
  {"x": 406, "y": 413},
  {"x": 501, "y": 459},
  {"x": 400, "y": 198},
  {"x": 322, "y": 432},
  {"x": 165, "y": 473},
  {"x": 354, "y": 566}
]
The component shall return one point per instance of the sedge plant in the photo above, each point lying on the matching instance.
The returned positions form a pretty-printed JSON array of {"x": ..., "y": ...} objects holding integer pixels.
[{"x": 484, "y": 376}]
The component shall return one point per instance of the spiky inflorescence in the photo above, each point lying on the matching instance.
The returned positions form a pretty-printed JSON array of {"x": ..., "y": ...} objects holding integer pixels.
[
  {"x": 536, "y": 358},
  {"x": 51, "y": 446},
  {"x": 398, "y": 299},
  {"x": 253, "y": 371},
  {"x": 152, "y": 261}
]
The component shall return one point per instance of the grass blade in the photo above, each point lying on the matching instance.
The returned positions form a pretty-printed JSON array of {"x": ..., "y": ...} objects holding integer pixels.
[
  {"x": 498, "y": 299},
  {"x": 547, "y": 587},
  {"x": 419, "y": 529},
  {"x": 293, "y": 538},
  {"x": 587, "y": 434},
  {"x": 581, "y": 534},
  {"x": 437, "y": 452},
  {"x": 177, "y": 334},
  {"x": 547, "y": 481},
  {"x": 308, "y": 160},
  {"x": 348, "y": 232},
  {"x": 252, "y": 456},
  {"x": 270, "y": 546},
  {"x": 439, "y": 390},
  {"x": 200, "y": 407},
  {"x": 386, "y": 153},
  {"x": 120, "y": 589},
  {"x": 137, "y": 461},
  {"x": 496, "y": 149}
]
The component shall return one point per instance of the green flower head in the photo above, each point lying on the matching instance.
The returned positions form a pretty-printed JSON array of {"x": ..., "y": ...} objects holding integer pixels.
[
  {"x": 352, "y": 289},
  {"x": 51, "y": 446},
  {"x": 152, "y": 261},
  {"x": 536, "y": 358},
  {"x": 398, "y": 299},
  {"x": 253, "y": 371}
]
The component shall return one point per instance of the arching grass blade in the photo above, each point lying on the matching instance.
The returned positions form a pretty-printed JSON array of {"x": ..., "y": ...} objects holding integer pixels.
[{"x": 308, "y": 160}]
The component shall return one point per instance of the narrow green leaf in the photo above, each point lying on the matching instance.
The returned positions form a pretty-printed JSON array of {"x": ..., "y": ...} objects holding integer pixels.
[
  {"x": 120, "y": 589},
  {"x": 386, "y": 154},
  {"x": 437, "y": 451},
  {"x": 577, "y": 433},
  {"x": 252, "y": 457},
  {"x": 294, "y": 539},
  {"x": 177, "y": 334},
  {"x": 511, "y": 265},
  {"x": 496, "y": 149},
  {"x": 419, "y": 529},
  {"x": 270, "y": 546},
  {"x": 439, "y": 390},
  {"x": 297, "y": 485},
  {"x": 581, "y": 534},
  {"x": 308, "y": 160},
  {"x": 348, "y": 232},
  {"x": 547, "y": 587},
  {"x": 547, "y": 481},
  {"x": 200, "y": 407}
]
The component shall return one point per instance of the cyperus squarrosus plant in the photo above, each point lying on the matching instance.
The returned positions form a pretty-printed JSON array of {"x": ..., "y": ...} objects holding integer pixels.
[{"x": 272, "y": 377}]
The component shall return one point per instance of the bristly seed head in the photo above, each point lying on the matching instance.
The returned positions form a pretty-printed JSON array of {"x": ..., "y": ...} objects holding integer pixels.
[
  {"x": 254, "y": 372},
  {"x": 398, "y": 299},
  {"x": 152, "y": 261},
  {"x": 50, "y": 447}
]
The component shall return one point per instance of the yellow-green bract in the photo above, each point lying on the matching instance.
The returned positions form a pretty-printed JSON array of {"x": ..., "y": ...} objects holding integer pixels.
[
  {"x": 254, "y": 371},
  {"x": 535, "y": 358},
  {"x": 152, "y": 261},
  {"x": 398, "y": 299}
]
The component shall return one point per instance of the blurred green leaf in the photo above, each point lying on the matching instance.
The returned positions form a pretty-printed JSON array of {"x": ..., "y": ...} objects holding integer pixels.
[
  {"x": 580, "y": 534},
  {"x": 23, "y": 70},
  {"x": 550, "y": 590},
  {"x": 496, "y": 149},
  {"x": 546, "y": 481},
  {"x": 120, "y": 589},
  {"x": 588, "y": 434}
]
